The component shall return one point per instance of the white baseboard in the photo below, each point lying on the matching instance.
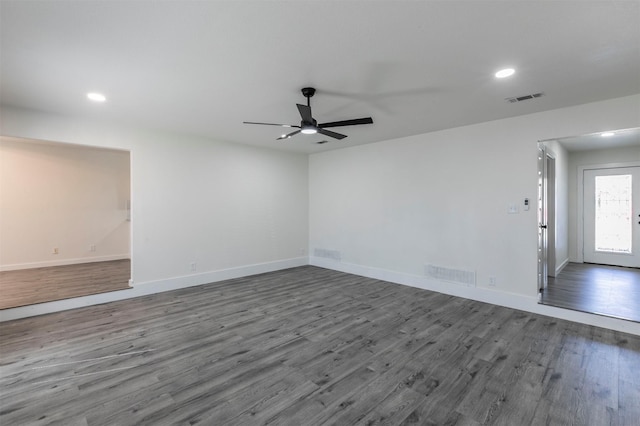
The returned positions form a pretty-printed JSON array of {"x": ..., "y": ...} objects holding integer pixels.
[
  {"x": 562, "y": 266},
  {"x": 150, "y": 287},
  {"x": 509, "y": 300},
  {"x": 219, "y": 275},
  {"x": 63, "y": 262}
]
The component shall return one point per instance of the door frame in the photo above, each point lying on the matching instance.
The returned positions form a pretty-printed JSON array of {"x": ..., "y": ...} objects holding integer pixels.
[
  {"x": 580, "y": 199},
  {"x": 543, "y": 241},
  {"x": 550, "y": 200}
]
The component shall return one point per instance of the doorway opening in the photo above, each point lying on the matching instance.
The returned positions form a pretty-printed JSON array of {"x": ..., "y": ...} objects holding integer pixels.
[
  {"x": 64, "y": 219},
  {"x": 589, "y": 224}
]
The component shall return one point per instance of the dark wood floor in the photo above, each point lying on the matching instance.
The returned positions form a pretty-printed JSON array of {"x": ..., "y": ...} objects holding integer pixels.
[
  {"x": 38, "y": 285},
  {"x": 600, "y": 289},
  {"x": 310, "y": 346}
]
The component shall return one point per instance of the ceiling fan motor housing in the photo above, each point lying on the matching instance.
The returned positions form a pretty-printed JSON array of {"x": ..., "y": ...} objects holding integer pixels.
[{"x": 308, "y": 92}]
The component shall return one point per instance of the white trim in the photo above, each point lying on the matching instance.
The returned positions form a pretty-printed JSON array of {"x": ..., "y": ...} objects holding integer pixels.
[
  {"x": 150, "y": 287},
  {"x": 552, "y": 208},
  {"x": 63, "y": 262},
  {"x": 580, "y": 199},
  {"x": 130, "y": 212},
  {"x": 509, "y": 300},
  {"x": 562, "y": 266}
]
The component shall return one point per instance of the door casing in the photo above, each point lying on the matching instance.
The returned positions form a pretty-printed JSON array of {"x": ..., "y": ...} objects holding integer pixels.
[
  {"x": 580, "y": 199},
  {"x": 542, "y": 219},
  {"x": 616, "y": 259}
]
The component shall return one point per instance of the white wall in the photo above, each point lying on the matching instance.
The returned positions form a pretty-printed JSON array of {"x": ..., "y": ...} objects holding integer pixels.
[
  {"x": 65, "y": 197},
  {"x": 231, "y": 209},
  {"x": 438, "y": 199},
  {"x": 578, "y": 159},
  {"x": 388, "y": 208},
  {"x": 441, "y": 198}
]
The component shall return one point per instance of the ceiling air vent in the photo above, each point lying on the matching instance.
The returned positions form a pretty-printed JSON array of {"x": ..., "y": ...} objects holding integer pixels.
[{"x": 525, "y": 97}]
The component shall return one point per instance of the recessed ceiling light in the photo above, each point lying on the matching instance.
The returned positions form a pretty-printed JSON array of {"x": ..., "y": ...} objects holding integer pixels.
[
  {"x": 96, "y": 97},
  {"x": 507, "y": 72},
  {"x": 607, "y": 134}
]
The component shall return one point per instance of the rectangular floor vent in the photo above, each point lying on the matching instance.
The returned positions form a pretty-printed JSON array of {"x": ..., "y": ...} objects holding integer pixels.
[
  {"x": 459, "y": 276},
  {"x": 328, "y": 254}
]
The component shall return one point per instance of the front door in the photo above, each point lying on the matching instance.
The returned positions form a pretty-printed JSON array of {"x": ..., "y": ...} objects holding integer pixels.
[{"x": 612, "y": 216}]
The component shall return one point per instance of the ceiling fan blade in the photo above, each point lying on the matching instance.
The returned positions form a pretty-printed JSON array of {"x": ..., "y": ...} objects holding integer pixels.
[
  {"x": 289, "y": 135},
  {"x": 331, "y": 134},
  {"x": 365, "y": 120},
  {"x": 270, "y": 124},
  {"x": 305, "y": 113}
]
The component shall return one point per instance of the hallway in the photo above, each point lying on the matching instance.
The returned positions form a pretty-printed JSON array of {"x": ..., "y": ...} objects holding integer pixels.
[{"x": 601, "y": 289}]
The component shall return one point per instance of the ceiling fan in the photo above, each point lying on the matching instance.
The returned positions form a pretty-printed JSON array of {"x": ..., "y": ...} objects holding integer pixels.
[{"x": 310, "y": 126}]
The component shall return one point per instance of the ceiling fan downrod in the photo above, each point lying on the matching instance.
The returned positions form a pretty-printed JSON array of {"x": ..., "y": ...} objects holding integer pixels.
[{"x": 308, "y": 92}]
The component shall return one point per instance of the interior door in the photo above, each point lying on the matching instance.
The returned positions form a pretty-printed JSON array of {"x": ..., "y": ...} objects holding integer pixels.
[{"x": 612, "y": 216}]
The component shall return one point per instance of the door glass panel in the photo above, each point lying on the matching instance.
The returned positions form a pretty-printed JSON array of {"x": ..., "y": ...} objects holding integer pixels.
[{"x": 613, "y": 214}]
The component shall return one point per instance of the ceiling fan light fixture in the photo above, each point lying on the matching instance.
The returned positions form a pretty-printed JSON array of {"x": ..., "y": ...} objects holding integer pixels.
[{"x": 309, "y": 130}]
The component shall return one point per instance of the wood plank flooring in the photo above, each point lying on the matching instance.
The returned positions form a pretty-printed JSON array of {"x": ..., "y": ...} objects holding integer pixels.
[
  {"x": 30, "y": 286},
  {"x": 600, "y": 289},
  {"x": 310, "y": 346}
]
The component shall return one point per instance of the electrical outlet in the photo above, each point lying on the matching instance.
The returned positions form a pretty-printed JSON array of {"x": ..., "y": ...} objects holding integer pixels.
[
  {"x": 55, "y": 250},
  {"x": 92, "y": 248},
  {"x": 492, "y": 281},
  {"x": 194, "y": 266}
]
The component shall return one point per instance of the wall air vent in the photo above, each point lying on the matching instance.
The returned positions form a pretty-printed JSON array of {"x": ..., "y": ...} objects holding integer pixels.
[
  {"x": 525, "y": 97},
  {"x": 459, "y": 276},
  {"x": 328, "y": 254}
]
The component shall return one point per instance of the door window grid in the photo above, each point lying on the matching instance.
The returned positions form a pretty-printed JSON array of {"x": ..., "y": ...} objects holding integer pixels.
[{"x": 613, "y": 224}]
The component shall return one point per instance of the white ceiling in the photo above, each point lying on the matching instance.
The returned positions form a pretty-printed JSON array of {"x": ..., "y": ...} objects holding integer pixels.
[
  {"x": 415, "y": 66},
  {"x": 618, "y": 139}
]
